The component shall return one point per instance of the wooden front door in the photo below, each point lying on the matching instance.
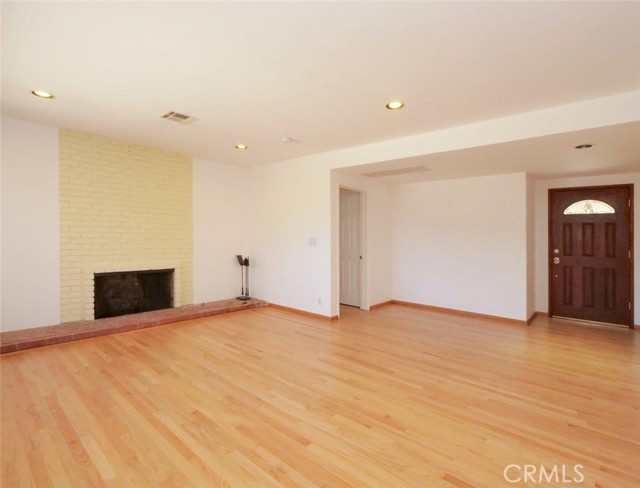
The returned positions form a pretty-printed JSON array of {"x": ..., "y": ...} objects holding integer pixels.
[{"x": 590, "y": 255}]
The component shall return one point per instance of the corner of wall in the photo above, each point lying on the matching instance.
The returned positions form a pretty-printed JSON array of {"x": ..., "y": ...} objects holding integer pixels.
[
  {"x": 449, "y": 255},
  {"x": 30, "y": 225},
  {"x": 531, "y": 246},
  {"x": 221, "y": 210}
]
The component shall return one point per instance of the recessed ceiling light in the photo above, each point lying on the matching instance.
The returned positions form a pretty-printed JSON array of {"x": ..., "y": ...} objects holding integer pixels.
[
  {"x": 241, "y": 146},
  {"x": 584, "y": 146},
  {"x": 395, "y": 105},
  {"x": 42, "y": 94}
]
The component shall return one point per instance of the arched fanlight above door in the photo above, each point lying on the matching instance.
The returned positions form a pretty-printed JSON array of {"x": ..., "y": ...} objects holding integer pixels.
[{"x": 585, "y": 207}]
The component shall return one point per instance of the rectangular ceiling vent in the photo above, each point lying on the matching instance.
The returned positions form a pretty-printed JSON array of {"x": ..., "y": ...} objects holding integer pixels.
[
  {"x": 178, "y": 117},
  {"x": 394, "y": 172}
]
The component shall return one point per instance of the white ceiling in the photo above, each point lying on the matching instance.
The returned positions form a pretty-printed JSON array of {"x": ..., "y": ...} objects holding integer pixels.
[
  {"x": 616, "y": 149},
  {"x": 319, "y": 72}
]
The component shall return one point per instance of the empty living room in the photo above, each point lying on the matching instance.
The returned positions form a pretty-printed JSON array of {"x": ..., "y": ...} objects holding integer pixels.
[{"x": 313, "y": 244}]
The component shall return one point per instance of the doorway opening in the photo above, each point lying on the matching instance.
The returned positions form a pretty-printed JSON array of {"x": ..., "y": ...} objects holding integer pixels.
[
  {"x": 591, "y": 254},
  {"x": 351, "y": 248}
]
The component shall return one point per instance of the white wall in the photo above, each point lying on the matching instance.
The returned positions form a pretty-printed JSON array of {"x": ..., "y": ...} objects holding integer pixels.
[
  {"x": 531, "y": 247},
  {"x": 376, "y": 198},
  {"x": 221, "y": 199},
  {"x": 30, "y": 226},
  {"x": 462, "y": 244},
  {"x": 542, "y": 231},
  {"x": 291, "y": 204},
  {"x": 293, "y": 201}
]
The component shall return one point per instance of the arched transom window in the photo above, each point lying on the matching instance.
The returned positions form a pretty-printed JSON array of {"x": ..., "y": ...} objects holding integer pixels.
[{"x": 584, "y": 207}]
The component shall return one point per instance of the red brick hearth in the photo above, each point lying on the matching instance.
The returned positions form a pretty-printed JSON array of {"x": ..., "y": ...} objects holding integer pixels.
[{"x": 72, "y": 331}]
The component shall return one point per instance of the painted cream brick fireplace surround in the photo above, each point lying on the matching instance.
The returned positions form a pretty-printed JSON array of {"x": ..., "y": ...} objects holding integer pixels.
[{"x": 123, "y": 207}]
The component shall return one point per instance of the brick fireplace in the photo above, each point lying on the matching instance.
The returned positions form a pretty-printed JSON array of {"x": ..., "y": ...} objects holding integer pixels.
[{"x": 123, "y": 208}]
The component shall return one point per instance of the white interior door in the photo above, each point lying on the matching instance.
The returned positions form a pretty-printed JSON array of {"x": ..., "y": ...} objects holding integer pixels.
[{"x": 350, "y": 250}]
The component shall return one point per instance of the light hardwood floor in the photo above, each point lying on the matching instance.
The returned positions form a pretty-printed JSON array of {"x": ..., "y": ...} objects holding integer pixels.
[{"x": 396, "y": 398}]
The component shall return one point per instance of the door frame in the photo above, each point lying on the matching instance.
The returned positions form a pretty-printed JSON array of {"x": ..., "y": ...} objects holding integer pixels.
[
  {"x": 631, "y": 250},
  {"x": 364, "y": 303}
]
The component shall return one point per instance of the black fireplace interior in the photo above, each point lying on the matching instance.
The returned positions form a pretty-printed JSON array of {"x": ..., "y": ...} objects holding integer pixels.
[{"x": 122, "y": 293}]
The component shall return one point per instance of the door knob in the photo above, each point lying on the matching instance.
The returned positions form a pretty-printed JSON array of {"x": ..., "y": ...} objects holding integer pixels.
[{"x": 556, "y": 260}]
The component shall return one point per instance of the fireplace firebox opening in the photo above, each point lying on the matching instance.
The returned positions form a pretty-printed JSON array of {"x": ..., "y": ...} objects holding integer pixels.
[{"x": 127, "y": 292}]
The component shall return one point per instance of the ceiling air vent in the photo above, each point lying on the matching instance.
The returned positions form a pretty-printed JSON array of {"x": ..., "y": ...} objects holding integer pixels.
[
  {"x": 178, "y": 117},
  {"x": 394, "y": 172}
]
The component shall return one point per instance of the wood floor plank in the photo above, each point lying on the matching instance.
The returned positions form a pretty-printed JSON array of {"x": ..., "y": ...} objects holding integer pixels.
[{"x": 267, "y": 398}]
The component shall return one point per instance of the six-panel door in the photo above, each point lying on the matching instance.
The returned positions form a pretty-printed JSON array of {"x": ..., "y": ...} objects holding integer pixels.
[{"x": 590, "y": 253}]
